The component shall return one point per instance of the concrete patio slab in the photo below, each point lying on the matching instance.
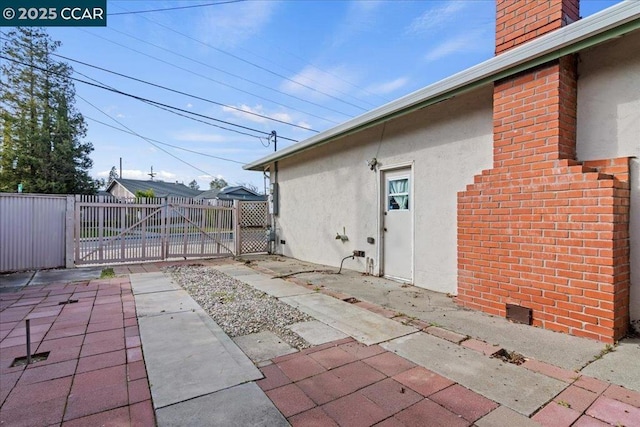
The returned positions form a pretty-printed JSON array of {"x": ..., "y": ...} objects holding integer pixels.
[
  {"x": 361, "y": 324},
  {"x": 13, "y": 281},
  {"x": 522, "y": 390},
  {"x": 243, "y": 405},
  {"x": 185, "y": 360},
  {"x": 277, "y": 288},
  {"x": 236, "y": 270},
  {"x": 620, "y": 366},
  {"x": 263, "y": 346},
  {"x": 143, "y": 283},
  {"x": 316, "y": 333},
  {"x": 44, "y": 277},
  {"x": 503, "y": 416},
  {"x": 561, "y": 350},
  {"x": 156, "y": 303}
]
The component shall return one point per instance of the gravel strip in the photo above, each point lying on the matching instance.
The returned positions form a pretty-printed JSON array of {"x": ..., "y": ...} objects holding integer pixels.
[{"x": 238, "y": 308}]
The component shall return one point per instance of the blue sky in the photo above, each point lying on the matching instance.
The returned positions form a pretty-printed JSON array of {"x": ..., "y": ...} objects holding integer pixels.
[{"x": 313, "y": 64}]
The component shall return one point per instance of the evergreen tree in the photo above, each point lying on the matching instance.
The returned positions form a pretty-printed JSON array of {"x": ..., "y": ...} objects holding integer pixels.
[
  {"x": 113, "y": 174},
  {"x": 41, "y": 146},
  {"x": 194, "y": 185}
]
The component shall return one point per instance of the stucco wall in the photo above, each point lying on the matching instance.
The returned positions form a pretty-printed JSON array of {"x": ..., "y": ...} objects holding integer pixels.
[
  {"x": 609, "y": 125},
  {"x": 331, "y": 187}
]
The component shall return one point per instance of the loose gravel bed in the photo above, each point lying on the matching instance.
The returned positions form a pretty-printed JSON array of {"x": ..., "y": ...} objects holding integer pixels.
[{"x": 238, "y": 308}]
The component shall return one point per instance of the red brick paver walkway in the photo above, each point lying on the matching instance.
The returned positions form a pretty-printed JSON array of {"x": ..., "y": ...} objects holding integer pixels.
[
  {"x": 345, "y": 383},
  {"x": 94, "y": 373},
  {"x": 349, "y": 384}
]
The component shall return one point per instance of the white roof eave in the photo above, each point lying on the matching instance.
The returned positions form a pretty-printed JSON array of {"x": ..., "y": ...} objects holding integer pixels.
[{"x": 572, "y": 38}]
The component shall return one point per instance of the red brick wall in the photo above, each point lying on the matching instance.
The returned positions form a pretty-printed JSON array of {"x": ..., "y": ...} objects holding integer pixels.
[
  {"x": 552, "y": 239},
  {"x": 518, "y": 21},
  {"x": 540, "y": 229}
]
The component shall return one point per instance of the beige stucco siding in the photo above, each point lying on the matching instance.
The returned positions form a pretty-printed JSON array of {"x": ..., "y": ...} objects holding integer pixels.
[
  {"x": 609, "y": 124},
  {"x": 331, "y": 187}
]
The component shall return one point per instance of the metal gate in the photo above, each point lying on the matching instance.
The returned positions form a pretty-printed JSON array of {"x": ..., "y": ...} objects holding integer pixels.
[{"x": 109, "y": 230}]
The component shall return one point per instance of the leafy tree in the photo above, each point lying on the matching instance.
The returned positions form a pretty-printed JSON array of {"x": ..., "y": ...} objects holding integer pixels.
[
  {"x": 217, "y": 184},
  {"x": 41, "y": 132},
  {"x": 194, "y": 185},
  {"x": 250, "y": 186},
  {"x": 113, "y": 174},
  {"x": 149, "y": 194}
]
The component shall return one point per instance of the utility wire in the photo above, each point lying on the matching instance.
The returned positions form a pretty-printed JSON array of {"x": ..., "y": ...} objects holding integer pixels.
[
  {"x": 184, "y": 93},
  {"x": 219, "y": 82},
  {"x": 148, "y": 100},
  {"x": 147, "y": 139},
  {"x": 253, "y": 64},
  {"x": 174, "y": 8},
  {"x": 265, "y": 58},
  {"x": 221, "y": 71},
  {"x": 183, "y": 115},
  {"x": 177, "y": 113},
  {"x": 164, "y": 143}
]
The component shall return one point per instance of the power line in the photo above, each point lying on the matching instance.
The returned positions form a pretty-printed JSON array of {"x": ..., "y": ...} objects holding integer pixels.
[
  {"x": 177, "y": 113},
  {"x": 256, "y": 65},
  {"x": 147, "y": 139},
  {"x": 148, "y": 100},
  {"x": 174, "y": 8},
  {"x": 224, "y": 72},
  {"x": 184, "y": 93},
  {"x": 219, "y": 82},
  {"x": 164, "y": 143},
  {"x": 174, "y": 112}
]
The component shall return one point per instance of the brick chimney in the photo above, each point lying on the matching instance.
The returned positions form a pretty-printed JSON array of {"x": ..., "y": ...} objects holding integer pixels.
[
  {"x": 518, "y": 21},
  {"x": 541, "y": 230}
]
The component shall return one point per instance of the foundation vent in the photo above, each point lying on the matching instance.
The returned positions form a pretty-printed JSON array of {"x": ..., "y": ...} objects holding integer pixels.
[{"x": 519, "y": 314}]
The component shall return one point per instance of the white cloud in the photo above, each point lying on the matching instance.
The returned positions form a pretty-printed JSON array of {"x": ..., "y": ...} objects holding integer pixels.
[
  {"x": 199, "y": 137},
  {"x": 327, "y": 82},
  {"x": 463, "y": 43},
  {"x": 360, "y": 17},
  {"x": 165, "y": 176},
  {"x": 388, "y": 87},
  {"x": 233, "y": 24},
  {"x": 189, "y": 105},
  {"x": 258, "y": 109},
  {"x": 142, "y": 175},
  {"x": 435, "y": 18},
  {"x": 114, "y": 110}
]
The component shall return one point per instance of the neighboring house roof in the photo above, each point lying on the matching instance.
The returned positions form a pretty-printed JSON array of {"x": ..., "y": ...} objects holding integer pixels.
[
  {"x": 600, "y": 27},
  {"x": 238, "y": 192},
  {"x": 208, "y": 194},
  {"x": 160, "y": 188}
]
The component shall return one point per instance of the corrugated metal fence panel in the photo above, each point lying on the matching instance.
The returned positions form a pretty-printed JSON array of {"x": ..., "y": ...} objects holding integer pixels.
[{"x": 32, "y": 231}]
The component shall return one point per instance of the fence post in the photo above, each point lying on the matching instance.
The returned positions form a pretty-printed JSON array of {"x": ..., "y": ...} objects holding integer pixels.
[
  {"x": 69, "y": 228},
  {"x": 164, "y": 219},
  {"x": 236, "y": 227}
]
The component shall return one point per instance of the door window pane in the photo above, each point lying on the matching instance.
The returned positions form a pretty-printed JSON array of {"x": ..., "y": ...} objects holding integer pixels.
[{"x": 398, "y": 194}]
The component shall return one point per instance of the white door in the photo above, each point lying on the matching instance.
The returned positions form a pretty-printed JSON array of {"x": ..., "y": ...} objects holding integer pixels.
[{"x": 397, "y": 222}]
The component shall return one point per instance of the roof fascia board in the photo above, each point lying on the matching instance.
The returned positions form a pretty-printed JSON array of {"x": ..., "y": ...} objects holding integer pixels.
[{"x": 605, "y": 25}]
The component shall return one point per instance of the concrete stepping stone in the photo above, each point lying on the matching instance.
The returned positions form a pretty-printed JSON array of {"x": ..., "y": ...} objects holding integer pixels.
[
  {"x": 263, "y": 346},
  {"x": 317, "y": 333}
]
